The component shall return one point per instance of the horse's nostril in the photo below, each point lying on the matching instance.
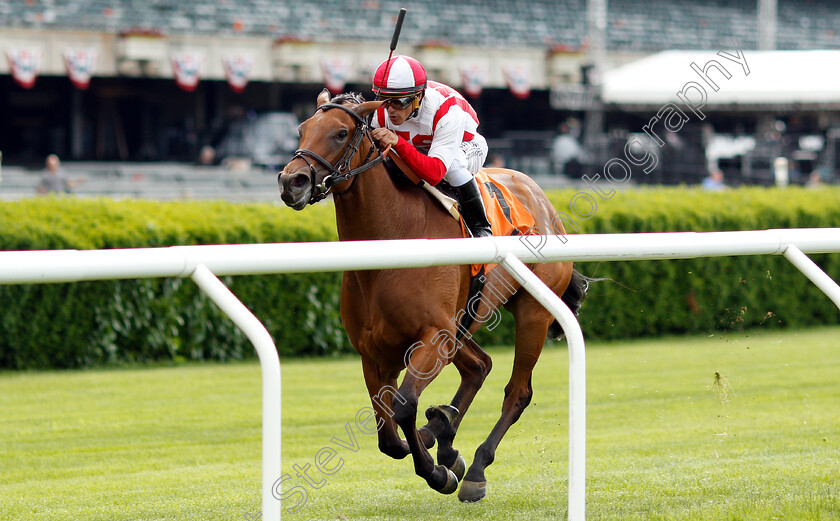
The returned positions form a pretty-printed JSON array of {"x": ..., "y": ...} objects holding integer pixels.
[{"x": 298, "y": 181}]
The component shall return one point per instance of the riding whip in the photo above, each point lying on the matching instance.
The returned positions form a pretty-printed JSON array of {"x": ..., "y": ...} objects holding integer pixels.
[{"x": 394, "y": 40}]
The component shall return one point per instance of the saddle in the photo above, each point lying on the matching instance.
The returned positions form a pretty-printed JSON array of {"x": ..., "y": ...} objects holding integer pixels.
[{"x": 507, "y": 215}]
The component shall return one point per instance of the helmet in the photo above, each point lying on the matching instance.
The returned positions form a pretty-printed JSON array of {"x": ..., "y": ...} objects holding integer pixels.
[{"x": 398, "y": 77}]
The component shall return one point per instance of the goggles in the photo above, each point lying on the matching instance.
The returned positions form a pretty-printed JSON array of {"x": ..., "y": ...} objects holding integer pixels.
[{"x": 400, "y": 103}]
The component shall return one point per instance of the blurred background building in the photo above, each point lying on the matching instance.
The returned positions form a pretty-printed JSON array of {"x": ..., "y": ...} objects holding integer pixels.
[{"x": 153, "y": 82}]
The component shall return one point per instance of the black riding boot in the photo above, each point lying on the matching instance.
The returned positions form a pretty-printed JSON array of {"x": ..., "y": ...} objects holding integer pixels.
[{"x": 472, "y": 209}]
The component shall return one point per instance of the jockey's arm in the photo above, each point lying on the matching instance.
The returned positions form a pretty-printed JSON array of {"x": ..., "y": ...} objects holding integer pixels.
[
  {"x": 429, "y": 169},
  {"x": 449, "y": 133}
]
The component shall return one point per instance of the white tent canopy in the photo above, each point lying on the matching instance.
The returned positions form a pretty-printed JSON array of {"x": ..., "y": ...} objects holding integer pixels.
[{"x": 781, "y": 79}]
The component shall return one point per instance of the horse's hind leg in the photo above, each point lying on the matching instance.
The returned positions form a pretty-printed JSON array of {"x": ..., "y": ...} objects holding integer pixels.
[
  {"x": 474, "y": 365},
  {"x": 532, "y": 322}
]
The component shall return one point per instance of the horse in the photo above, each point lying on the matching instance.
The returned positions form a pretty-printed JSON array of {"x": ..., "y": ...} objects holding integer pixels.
[{"x": 402, "y": 319}]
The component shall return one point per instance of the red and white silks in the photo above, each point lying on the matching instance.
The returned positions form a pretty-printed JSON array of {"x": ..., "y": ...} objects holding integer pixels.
[
  {"x": 399, "y": 76},
  {"x": 238, "y": 70},
  {"x": 25, "y": 64},
  {"x": 80, "y": 65},
  {"x": 186, "y": 67}
]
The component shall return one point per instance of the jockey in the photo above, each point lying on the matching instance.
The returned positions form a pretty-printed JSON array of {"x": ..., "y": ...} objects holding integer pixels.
[{"x": 434, "y": 130}]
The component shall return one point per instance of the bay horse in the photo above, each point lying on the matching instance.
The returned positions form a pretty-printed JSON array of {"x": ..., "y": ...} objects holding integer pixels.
[{"x": 400, "y": 319}]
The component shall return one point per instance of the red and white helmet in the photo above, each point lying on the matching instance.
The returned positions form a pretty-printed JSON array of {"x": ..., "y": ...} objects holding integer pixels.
[{"x": 399, "y": 77}]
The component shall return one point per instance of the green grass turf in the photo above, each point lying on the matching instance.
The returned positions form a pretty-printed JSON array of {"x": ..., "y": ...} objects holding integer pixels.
[{"x": 666, "y": 438}]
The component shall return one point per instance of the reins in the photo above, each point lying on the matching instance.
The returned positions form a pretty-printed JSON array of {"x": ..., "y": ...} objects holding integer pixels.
[{"x": 339, "y": 172}]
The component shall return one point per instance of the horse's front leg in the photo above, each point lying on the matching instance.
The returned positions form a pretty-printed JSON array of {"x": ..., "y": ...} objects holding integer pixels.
[
  {"x": 382, "y": 388},
  {"x": 473, "y": 364},
  {"x": 424, "y": 361}
]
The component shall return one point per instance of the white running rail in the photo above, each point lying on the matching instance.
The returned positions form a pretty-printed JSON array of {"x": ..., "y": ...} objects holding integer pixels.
[{"x": 205, "y": 263}]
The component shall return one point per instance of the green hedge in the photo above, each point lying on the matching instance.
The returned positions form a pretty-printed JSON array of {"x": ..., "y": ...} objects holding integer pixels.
[
  {"x": 92, "y": 323},
  {"x": 647, "y": 298}
]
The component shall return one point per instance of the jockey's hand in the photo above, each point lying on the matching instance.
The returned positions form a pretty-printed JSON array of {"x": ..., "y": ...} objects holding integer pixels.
[{"x": 385, "y": 137}]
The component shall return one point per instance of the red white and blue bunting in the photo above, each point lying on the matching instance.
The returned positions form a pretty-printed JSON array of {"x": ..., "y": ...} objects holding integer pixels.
[
  {"x": 518, "y": 78},
  {"x": 336, "y": 71},
  {"x": 25, "y": 64},
  {"x": 80, "y": 65},
  {"x": 186, "y": 67},
  {"x": 473, "y": 76},
  {"x": 237, "y": 71}
]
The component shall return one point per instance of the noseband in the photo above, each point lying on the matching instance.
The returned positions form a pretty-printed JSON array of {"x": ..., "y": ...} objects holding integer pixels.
[{"x": 340, "y": 171}]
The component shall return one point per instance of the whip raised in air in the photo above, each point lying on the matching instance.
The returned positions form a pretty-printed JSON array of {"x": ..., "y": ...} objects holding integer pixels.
[{"x": 394, "y": 40}]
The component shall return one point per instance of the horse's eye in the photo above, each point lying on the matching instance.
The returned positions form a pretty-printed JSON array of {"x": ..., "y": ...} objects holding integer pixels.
[{"x": 341, "y": 135}]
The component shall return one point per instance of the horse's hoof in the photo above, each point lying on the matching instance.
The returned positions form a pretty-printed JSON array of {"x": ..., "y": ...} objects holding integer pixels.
[
  {"x": 449, "y": 412},
  {"x": 471, "y": 491},
  {"x": 459, "y": 468},
  {"x": 451, "y": 483}
]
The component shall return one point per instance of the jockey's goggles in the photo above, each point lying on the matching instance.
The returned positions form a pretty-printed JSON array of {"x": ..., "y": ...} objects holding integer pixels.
[{"x": 399, "y": 103}]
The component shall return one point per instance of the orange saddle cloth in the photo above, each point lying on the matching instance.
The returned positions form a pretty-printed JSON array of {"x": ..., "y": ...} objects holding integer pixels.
[{"x": 506, "y": 214}]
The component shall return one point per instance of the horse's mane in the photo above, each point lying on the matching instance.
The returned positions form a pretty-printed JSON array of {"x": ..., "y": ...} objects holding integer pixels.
[{"x": 355, "y": 98}]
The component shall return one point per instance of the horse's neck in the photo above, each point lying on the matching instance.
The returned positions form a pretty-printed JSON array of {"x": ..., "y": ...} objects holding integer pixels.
[{"x": 376, "y": 208}]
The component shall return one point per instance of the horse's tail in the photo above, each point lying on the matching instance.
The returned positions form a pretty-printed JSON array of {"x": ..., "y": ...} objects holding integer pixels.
[
  {"x": 576, "y": 291},
  {"x": 573, "y": 297}
]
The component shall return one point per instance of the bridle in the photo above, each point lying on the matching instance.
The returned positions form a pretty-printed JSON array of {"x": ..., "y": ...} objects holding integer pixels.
[{"x": 339, "y": 172}]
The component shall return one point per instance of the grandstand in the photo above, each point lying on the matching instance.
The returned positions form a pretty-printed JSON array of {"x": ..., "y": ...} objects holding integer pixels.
[
  {"x": 632, "y": 26},
  {"x": 134, "y": 111},
  {"x": 155, "y": 181}
]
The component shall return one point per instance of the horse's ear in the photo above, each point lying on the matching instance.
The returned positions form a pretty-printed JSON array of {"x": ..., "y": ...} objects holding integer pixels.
[
  {"x": 363, "y": 109},
  {"x": 323, "y": 97}
]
